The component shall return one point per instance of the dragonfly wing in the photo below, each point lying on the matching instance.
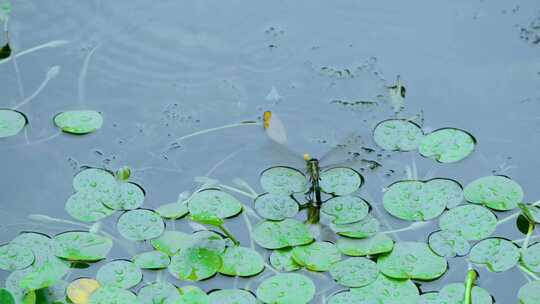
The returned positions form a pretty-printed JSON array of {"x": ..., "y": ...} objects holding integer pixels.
[{"x": 275, "y": 129}]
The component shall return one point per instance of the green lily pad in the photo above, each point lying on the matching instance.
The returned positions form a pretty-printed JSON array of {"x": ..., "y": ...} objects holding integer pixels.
[
  {"x": 208, "y": 240},
  {"x": 449, "y": 244},
  {"x": 195, "y": 264},
  {"x": 11, "y": 122},
  {"x": 78, "y": 122},
  {"x": 532, "y": 212},
  {"x": 140, "y": 225},
  {"x": 447, "y": 189},
  {"x": 82, "y": 246},
  {"x": 496, "y": 254},
  {"x": 473, "y": 222},
  {"x": 377, "y": 244},
  {"x": 170, "y": 242},
  {"x": 367, "y": 227},
  {"x": 389, "y": 291},
  {"x": 128, "y": 196},
  {"x": 41, "y": 245},
  {"x": 173, "y": 211},
  {"x": 529, "y": 293},
  {"x": 158, "y": 292},
  {"x": 495, "y": 192},
  {"x": 276, "y": 207},
  {"x": 412, "y": 260},
  {"x": 355, "y": 272},
  {"x": 397, "y": 135},
  {"x": 14, "y": 257},
  {"x": 283, "y": 180},
  {"x": 281, "y": 260},
  {"x": 241, "y": 261},
  {"x": 286, "y": 288},
  {"x": 345, "y": 209},
  {"x": 415, "y": 200},
  {"x": 45, "y": 273},
  {"x": 120, "y": 274},
  {"x": 348, "y": 297},
  {"x": 232, "y": 296},
  {"x": 6, "y": 297},
  {"x": 207, "y": 219},
  {"x": 340, "y": 181},
  {"x": 192, "y": 295},
  {"x": 112, "y": 295},
  {"x": 276, "y": 235},
  {"x": 317, "y": 256},
  {"x": 95, "y": 179},
  {"x": 429, "y": 298},
  {"x": 530, "y": 257},
  {"x": 214, "y": 202},
  {"x": 152, "y": 260},
  {"x": 86, "y": 206},
  {"x": 447, "y": 145},
  {"x": 455, "y": 292}
]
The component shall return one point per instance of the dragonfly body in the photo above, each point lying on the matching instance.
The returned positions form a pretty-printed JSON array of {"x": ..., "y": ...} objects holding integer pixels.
[{"x": 314, "y": 172}]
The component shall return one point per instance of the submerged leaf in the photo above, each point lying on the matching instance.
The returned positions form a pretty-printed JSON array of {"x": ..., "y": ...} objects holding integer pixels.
[
  {"x": 78, "y": 122},
  {"x": 495, "y": 192},
  {"x": 447, "y": 145},
  {"x": 11, "y": 122},
  {"x": 286, "y": 288},
  {"x": 412, "y": 260},
  {"x": 397, "y": 135},
  {"x": 340, "y": 181},
  {"x": 283, "y": 180},
  {"x": 496, "y": 254}
]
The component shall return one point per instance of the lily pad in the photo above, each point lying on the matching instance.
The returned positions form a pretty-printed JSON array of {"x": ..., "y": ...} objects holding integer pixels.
[
  {"x": 128, "y": 196},
  {"x": 496, "y": 254},
  {"x": 195, "y": 264},
  {"x": 140, "y": 225},
  {"x": 216, "y": 202},
  {"x": 355, "y": 272},
  {"x": 397, "y": 135},
  {"x": 173, "y": 211},
  {"x": 232, "y": 296},
  {"x": 207, "y": 219},
  {"x": 170, "y": 242},
  {"x": 95, "y": 179},
  {"x": 286, "y": 288},
  {"x": 152, "y": 260},
  {"x": 317, "y": 256},
  {"x": 6, "y": 297},
  {"x": 377, "y": 244},
  {"x": 340, "y": 181},
  {"x": 455, "y": 292},
  {"x": 346, "y": 209},
  {"x": 11, "y": 122},
  {"x": 82, "y": 246},
  {"x": 449, "y": 244},
  {"x": 44, "y": 273},
  {"x": 276, "y": 235},
  {"x": 283, "y": 180},
  {"x": 447, "y": 145},
  {"x": 387, "y": 290},
  {"x": 348, "y": 297},
  {"x": 193, "y": 295},
  {"x": 281, "y": 260},
  {"x": 473, "y": 222},
  {"x": 14, "y": 257},
  {"x": 530, "y": 257},
  {"x": 276, "y": 207},
  {"x": 447, "y": 189},
  {"x": 119, "y": 273},
  {"x": 86, "y": 206},
  {"x": 529, "y": 293},
  {"x": 532, "y": 212},
  {"x": 495, "y": 192},
  {"x": 158, "y": 292},
  {"x": 112, "y": 295},
  {"x": 78, "y": 122},
  {"x": 241, "y": 261},
  {"x": 367, "y": 227},
  {"x": 208, "y": 240},
  {"x": 412, "y": 260},
  {"x": 41, "y": 245},
  {"x": 80, "y": 290}
]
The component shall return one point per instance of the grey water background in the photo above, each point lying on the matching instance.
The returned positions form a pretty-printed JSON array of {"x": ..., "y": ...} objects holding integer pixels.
[{"x": 162, "y": 69}]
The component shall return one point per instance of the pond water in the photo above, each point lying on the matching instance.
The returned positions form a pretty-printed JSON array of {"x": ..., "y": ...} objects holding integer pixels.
[{"x": 162, "y": 70}]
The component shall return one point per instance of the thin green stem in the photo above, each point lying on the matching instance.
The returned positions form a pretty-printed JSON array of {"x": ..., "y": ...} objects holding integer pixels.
[
  {"x": 469, "y": 283},
  {"x": 514, "y": 215},
  {"x": 527, "y": 237},
  {"x": 179, "y": 139},
  {"x": 530, "y": 273},
  {"x": 237, "y": 191},
  {"x": 229, "y": 234}
]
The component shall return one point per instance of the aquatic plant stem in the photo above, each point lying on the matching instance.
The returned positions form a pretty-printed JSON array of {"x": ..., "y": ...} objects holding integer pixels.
[
  {"x": 179, "y": 139},
  {"x": 82, "y": 77},
  {"x": 51, "y": 73},
  {"x": 530, "y": 273},
  {"x": 532, "y": 237},
  {"x": 50, "y": 44},
  {"x": 229, "y": 234},
  {"x": 469, "y": 282},
  {"x": 514, "y": 215},
  {"x": 237, "y": 191},
  {"x": 413, "y": 226},
  {"x": 15, "y": 65},
  {"x": 530, "y": 231}
]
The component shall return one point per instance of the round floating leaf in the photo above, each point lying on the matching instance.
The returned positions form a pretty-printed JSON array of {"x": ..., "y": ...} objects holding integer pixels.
[
  {"x": 387, "y": 290},
  {"x": 128, "y": 196},
  {"x": 377, "y": 244},
  {"x": 173, "y": 211},
  {"x": 447, "y": 145},
  {"x": 192, "y": 295},
  {"x": 447, "y": 189},
  {"x": 412, "y": 260},
  {"x": 11, "y": 122},
  {"x": 415, "y": 200},
  {"x": 44, "y": 273},
  {"x": 6, "y": 297},
  {"x": 530, "y": 257},
  {"x": 346, "y": 209},
  {"x": 170, "y": 242},
  {"x": 497, "y": 254},
  {"x": 470, "y": 221},
  {"x": 158, "y": 292},
  {"x": 317, "y": 256},
  {"x": 120, "y": 273},
  {"x": 281, "y": 260},
  {"x": 283, "y": 180},
  {"x": 195, "y": 264},
  {"x": 86, "y": 206},
  {"x": 449, "y": 244},
  {"x": 112, "y": 295},
  {"x": 355, "y": 272},
  {"x": 276, "y": 207},
  {"x": 241, "y": 261},
  {"x": 78, "y": 122},
  {"x": 455, "y": 292},
  {"x": 340, "y": 181},
  {"x": 95, "y": 179},
  {"x": 140, "y": 225},
  {"x": 208, "y": 240},
  {"x": 397, "y": 135},
  {"x": 348, "y": 297},
  {"x": 215, "y": 202},
  {"x": 367, "y": 227},
  {"x": 532, "y": 212},
  {"x": 82, "y": 246},
  {"x": 529, "y": 293},
  {"x": 14, "y": 256},
  {"x": 276, "y": 235},
  {"x": 152, "y": 260},
  {"x": 41, "y": 245},
  {"x": 495, "y": 192},
  {"x": 429, "y": 298},
  {"x": 80, "y": 290},
  {"x": 207, "y": 219},
  {"x": 231, "y": 296},
  {"x": 286, "y": 288}
]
